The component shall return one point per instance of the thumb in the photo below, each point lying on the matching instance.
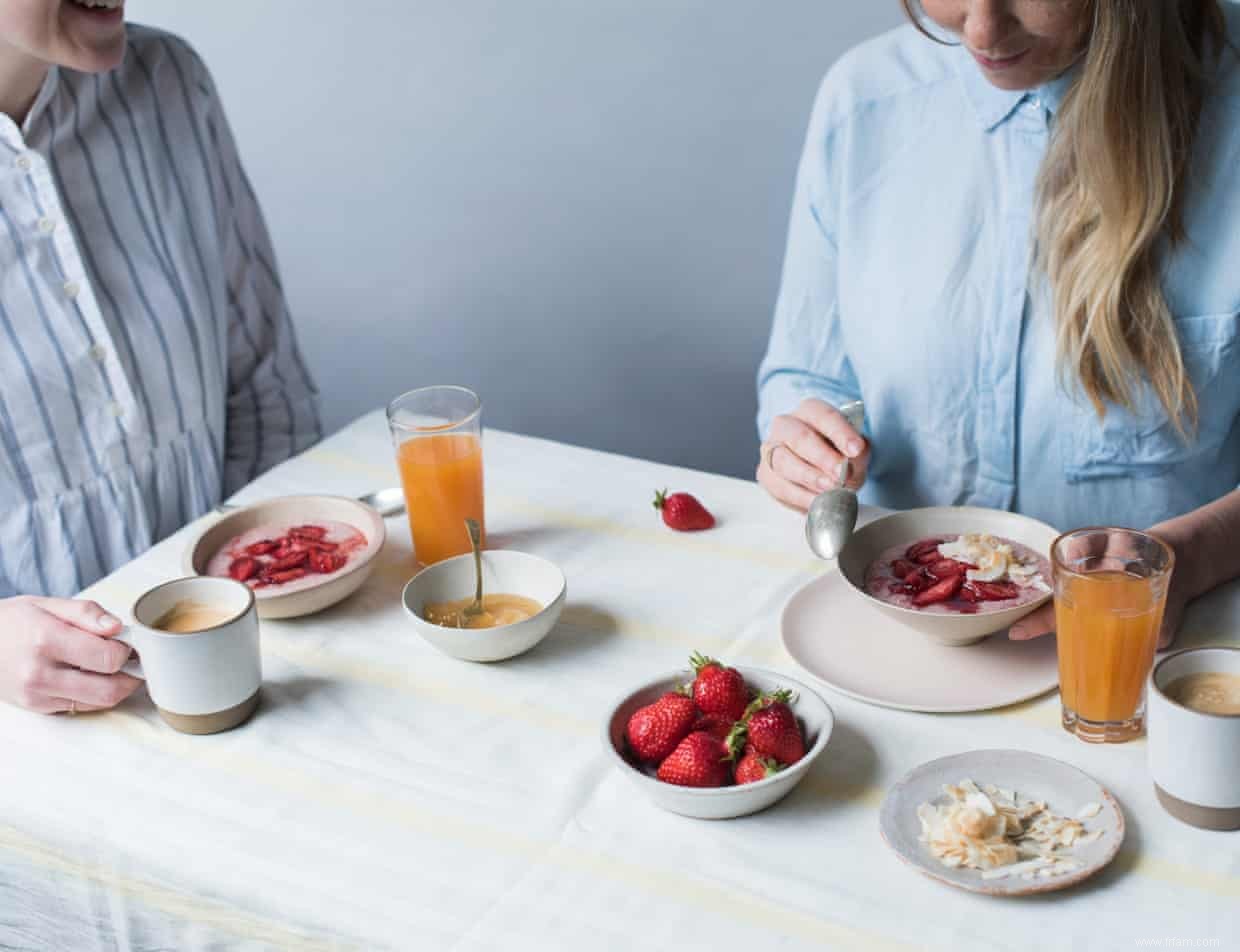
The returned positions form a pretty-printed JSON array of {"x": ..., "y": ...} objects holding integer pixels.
[
  {"x": 86, "y": 615},
  {"x": 1041, "y": 622}
]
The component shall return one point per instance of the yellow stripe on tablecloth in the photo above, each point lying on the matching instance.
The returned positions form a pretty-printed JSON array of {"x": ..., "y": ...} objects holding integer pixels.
[
  {"x": 720, "y": 900},
  {"x": 179, "y": 905},
  {"x": 1043, "y": 712},
  {"x": 705, "y": 545}
]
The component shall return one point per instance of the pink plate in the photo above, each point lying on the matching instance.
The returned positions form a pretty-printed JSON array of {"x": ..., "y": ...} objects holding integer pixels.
[{"x": 858, "y": 650}]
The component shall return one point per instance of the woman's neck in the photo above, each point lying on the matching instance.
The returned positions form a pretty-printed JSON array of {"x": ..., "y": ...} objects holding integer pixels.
[{"x": 21, "y": 77}]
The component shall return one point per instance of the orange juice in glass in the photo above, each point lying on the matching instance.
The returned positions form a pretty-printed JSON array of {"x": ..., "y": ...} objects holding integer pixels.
[
  {"x": 1110, "y": 592},
  {"x": 438, "y": 437}
]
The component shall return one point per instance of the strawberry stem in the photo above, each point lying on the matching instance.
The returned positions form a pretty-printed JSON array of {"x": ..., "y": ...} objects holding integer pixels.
[
  {"x": 699, "y": 661},
  {"x": 781, "y": 696},
  {"x": 660, "y": 498}
]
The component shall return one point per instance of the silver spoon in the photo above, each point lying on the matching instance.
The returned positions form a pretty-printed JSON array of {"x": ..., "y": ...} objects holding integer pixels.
[
  {"x": 832, "y": 515},
  {"x": 475, "y": 541},
  {"x": 388, "y": 502}
]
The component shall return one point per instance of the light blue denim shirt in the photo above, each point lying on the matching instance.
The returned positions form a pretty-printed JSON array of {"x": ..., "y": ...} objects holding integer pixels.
[{"x": 907, "y": 283}]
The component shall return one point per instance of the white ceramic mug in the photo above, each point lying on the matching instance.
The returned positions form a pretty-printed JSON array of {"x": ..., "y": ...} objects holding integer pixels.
[
  {"x": 205, "y": 681},
  {"x": 1194, "y": 756}
]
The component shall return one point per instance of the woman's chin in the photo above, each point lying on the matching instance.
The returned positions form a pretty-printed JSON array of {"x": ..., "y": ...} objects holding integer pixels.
[{"x": 94, "y": 57}]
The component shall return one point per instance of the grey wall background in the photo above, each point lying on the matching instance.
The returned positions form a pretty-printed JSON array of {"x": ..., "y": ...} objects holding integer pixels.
[{"x": 575, "y": 207}]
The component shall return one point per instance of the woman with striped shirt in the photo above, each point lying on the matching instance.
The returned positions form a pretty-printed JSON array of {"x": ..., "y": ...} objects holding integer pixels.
[{"x": 148, "y": 365}]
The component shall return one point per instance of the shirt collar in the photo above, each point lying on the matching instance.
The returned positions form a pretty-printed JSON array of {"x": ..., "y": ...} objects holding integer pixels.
[
  {"x": 46, "y": 91},
  {"x": 994, "y": 106}
]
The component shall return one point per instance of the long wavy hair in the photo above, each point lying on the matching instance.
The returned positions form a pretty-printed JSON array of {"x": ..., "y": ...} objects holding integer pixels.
[{"x": 1112, "y": 192}]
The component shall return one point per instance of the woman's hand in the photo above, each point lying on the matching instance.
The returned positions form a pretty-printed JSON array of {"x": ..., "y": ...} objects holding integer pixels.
[
  {"x": 1042, "y": 622},
  {"x": 1189, "y": 579},
  {"x": 56, "y": 654},
  {"x": 802, "y": 454}
]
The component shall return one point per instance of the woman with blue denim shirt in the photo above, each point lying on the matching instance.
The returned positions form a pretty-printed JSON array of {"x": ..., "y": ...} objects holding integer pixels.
[{"x": 1020, "y": 245}]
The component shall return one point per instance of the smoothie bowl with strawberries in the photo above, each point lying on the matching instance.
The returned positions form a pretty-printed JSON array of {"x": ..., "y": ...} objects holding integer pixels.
[
  {"x": 955, "y": 574},
  {"x": 299, "y": 554}
]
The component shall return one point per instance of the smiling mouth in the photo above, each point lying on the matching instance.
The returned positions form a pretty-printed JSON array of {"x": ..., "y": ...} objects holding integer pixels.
[
  {"x": 98, "y": 6},
  {"x": 999, "y": 63}
]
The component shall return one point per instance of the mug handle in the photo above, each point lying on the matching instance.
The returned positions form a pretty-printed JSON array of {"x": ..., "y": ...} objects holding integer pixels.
[{"x": 132, "y": 667}]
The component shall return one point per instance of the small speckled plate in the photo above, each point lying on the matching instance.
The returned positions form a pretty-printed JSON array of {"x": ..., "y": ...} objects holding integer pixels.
[{"x": 1064, "y": 789}]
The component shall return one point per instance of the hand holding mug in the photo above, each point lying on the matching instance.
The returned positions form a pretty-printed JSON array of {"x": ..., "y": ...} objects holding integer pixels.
[
  {"x": 803, "y": 452},
  {"x": 58, "y": 654}
]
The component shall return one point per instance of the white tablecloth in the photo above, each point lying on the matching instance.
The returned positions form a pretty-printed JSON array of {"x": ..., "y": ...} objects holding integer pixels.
[{"x": 387, "y": 796}]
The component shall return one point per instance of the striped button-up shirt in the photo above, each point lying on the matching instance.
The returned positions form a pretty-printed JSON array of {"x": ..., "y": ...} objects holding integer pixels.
[{"x": 148, "y": 366}]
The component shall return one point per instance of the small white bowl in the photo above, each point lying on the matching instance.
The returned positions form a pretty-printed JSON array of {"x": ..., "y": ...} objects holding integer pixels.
[
  {"x": 905, "y": 528},
  {"x": 721, "y": 803},
  {"x": 503, "y": 572},
  {"x": 271, "y": 602}
]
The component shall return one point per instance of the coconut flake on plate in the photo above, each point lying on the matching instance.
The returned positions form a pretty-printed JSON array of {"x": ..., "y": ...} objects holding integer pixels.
[{"x": 995, "y": 831}]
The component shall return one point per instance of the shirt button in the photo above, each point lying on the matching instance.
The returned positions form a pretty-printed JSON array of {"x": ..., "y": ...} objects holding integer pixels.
[
  {"x": 23, "y": 162},
  {"x": 100, "y": 353},
  {"x": 47, "y": 225},
  {"x": 72, "y": 289},
  {"x": 116, "y": 409}
]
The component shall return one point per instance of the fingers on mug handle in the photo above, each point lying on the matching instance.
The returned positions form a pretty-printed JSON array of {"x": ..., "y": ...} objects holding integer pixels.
[
  {"x": 81, "y": 613},
  {"x": 89, "y": 690},
  {"x": 76, "y": 648}
]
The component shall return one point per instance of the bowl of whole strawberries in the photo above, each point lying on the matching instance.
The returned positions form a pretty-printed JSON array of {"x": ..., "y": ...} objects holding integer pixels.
[{"x": 716, "y": 742}]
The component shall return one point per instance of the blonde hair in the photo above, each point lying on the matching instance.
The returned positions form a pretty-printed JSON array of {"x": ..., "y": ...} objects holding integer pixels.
[{"x": 1111, "y": 196}]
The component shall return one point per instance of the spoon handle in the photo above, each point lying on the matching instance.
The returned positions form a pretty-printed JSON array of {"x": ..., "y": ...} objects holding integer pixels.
[
  {"x": 475, "y": 540},
  {"x": 854, "y": 412}
]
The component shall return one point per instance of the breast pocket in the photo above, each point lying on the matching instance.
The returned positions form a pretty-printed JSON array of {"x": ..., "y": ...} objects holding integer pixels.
[{"x": 1143, "y": 441}]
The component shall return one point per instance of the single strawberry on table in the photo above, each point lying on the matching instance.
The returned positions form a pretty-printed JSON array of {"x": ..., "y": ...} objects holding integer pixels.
[
  {"x": 683, "y": 512},
  {"x": 771, "y": 729},
  {"x": 753, "y": 767},
  {"x": 718, "y": 689},
  {"x": 654, "y": 730},
  {"x": 700, "y": 760}
]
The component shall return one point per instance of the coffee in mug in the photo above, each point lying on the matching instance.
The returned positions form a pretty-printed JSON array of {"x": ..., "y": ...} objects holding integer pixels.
[
  {"x": 188, "y": 616},
  {"x": 1194, "y": 736},
  {"x": 198, "y": 643},
  {"x": 1210, "y": 692}
]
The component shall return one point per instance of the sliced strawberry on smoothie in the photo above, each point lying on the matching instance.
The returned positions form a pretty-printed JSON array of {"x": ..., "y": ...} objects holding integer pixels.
[
  {"x": 902, "y": 568},
  {"x": 996, "y": 591},
  {"x": 940, "y": 591},
  {"x": 945, "y": 567},
  {"x": 918, "y": 549}
]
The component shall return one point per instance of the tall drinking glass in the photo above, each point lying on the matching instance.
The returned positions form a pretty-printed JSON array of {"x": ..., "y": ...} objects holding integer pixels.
[
  {"x": 1110, "y": 592},
  {"x": 438, "y": 436}
]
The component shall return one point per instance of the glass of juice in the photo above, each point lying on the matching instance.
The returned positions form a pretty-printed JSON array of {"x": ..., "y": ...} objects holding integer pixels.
[
  {"x": 438, "y": 437},
  {"x": 1110, "y": 591}
]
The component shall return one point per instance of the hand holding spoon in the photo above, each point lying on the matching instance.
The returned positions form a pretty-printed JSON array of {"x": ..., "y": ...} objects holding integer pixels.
[{"x": 832, "y": 515}]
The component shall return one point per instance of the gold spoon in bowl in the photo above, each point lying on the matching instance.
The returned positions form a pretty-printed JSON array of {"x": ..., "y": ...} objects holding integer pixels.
[{"x": 475, "y": 541}]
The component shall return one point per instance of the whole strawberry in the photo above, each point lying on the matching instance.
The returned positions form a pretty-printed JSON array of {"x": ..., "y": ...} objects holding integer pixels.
[
  {"x": 715, "y": 724},
  {"x": 683, "y": 512},
  {"x": 718, "y": 689},
  {"x": 700, "y": 760},
  {"x": 753, "y": 767},
  {"x": 654, "y": 730},
  {"x": 772, "y": 729}
]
